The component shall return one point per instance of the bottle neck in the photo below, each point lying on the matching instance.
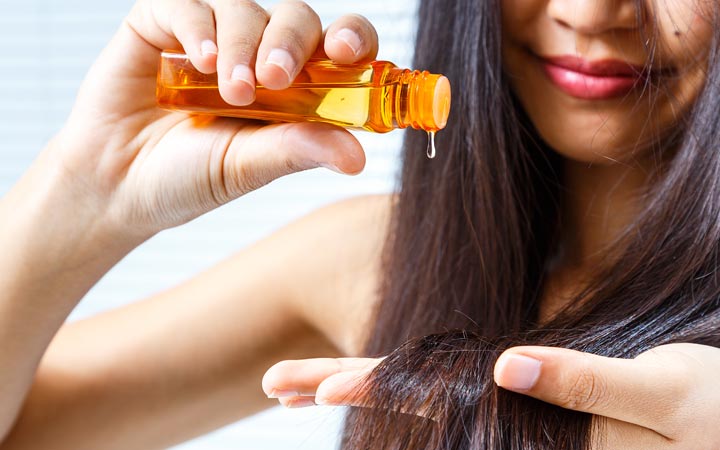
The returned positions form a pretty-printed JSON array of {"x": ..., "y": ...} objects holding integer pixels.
[{"x": 422, "y": 100}]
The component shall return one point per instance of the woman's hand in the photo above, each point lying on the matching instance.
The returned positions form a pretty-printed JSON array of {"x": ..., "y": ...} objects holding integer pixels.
[
  {"x": 144, "y": 169},
  {"x": 666, "y": 398},
  {"x": 318, "y": 381}
]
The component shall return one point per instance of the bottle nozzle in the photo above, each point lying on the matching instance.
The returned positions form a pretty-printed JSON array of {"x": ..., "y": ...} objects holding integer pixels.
[{"x": 427, "y": 101}]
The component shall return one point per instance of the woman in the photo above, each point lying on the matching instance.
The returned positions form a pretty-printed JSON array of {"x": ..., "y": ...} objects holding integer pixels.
[
  {"x": 590, "y": 230},
  {"x": 503, "y": 237}
]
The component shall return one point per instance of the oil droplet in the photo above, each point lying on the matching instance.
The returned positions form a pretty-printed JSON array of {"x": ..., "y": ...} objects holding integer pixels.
[{"x": 431, "y": 145}]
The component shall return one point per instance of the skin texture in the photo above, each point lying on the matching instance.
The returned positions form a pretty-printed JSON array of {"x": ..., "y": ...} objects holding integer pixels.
[{"x": 121, "y": 171}]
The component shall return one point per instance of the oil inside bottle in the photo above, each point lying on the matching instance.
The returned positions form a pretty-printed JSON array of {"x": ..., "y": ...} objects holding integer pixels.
[{"x": 376, "y": 96}]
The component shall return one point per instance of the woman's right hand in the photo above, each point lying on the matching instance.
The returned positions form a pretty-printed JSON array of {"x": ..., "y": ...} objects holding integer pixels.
[{"x": 143, "y": 169}]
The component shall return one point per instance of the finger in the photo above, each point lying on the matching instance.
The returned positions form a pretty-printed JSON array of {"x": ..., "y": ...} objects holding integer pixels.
[
  {"x": 344, "y": 388},
  {"x": 187, "y": 25},
  {"x": 291, "y": 37},
  {"x": 297, "y": 401},
  {"x": 349, "y": 388},
  {"x": 277, "y": 150},
  {"x": 350, "y": 39},
  {"x": 194, "y": 28},
  {"x": 629, "y": 390},
  {"x": 240, "y": 26},
  {"x": 293, "y": 378}
]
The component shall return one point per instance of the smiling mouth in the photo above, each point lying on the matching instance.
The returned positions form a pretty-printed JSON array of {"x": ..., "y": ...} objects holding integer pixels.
[{"x": 594, "y": 79}]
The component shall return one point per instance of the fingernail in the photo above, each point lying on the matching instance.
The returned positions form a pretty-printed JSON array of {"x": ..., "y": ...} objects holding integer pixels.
[
  {"x": 332, "y": 167},
  {"x": 282, "y": 59},
  {"x": 350, "y": 38},
  {"x": 277, "y": 393},
  {"x": 242, "y": 72},
  {"x": 300, "y": 403},
  {"x": 208, "y": 47},
  {"x": 517, "y": 372},
  {"x": 320, "y": 400}
]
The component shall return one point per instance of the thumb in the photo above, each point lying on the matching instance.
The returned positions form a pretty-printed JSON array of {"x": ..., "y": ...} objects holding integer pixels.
[
  {"x": 630, "y": 390},
  {"x": 255, "y": 158}
]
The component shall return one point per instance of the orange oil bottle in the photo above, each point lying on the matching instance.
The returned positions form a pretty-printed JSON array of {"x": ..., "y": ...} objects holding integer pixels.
[{"x": 376, "y": 96}]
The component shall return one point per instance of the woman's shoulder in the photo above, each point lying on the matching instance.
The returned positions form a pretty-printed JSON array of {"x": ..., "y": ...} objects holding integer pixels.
[
  {"x": 332, "y": 258},
  {"x": 350, "y": 222}
]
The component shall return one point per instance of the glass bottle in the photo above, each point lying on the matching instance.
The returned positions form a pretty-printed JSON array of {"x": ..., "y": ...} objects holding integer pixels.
[{"x": 376, "y": 96}]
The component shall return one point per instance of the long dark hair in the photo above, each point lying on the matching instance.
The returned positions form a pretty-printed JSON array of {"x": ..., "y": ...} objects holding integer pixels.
[{"x": 473, "y": 236}]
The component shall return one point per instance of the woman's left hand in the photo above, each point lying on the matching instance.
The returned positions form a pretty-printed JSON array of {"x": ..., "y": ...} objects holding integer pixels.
[{"x": 665, "y": 398}]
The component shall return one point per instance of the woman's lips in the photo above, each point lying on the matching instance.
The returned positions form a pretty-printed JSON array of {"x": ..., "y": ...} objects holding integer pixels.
[{"x": 592, "y": 80}]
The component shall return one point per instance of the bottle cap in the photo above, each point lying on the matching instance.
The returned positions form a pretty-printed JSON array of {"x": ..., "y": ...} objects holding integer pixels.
[
  {"x": 441, "y": 101},
  {"x": 433, "y": 101}
]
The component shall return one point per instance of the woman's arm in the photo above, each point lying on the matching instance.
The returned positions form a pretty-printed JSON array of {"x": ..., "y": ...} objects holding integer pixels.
[
  {"x": 52, "y": 253},
  {"x": 191, "y": 359},
  {"x": 122, "y": 170}
]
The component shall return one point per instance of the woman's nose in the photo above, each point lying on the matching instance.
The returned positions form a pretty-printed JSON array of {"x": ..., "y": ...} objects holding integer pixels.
[{"x": 594, "y": 16}]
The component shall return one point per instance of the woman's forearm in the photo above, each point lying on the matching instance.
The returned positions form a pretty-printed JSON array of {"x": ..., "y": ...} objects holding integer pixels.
[
  {"x": 185, "y": 361},
  {"x": 54, "y": 249}
]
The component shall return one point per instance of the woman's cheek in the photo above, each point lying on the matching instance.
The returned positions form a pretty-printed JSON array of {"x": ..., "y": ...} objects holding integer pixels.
[{"x": 685, "y": 29}]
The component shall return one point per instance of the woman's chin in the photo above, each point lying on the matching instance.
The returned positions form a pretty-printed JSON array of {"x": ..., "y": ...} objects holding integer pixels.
[{"x": 600, "y": 148}]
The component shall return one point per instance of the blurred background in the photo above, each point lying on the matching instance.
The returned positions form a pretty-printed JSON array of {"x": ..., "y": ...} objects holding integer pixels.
[{"x": 46, "y": 46}]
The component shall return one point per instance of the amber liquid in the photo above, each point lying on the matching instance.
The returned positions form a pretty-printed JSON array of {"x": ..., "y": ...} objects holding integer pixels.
[{"x": 372, "y": 96}]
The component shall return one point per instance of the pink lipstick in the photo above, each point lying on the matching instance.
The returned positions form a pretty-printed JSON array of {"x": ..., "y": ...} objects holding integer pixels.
[{"x": 593, "y": 80}]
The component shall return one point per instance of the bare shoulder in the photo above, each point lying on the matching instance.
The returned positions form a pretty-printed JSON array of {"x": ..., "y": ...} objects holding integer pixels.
[{"x": 332, "y": 258}]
